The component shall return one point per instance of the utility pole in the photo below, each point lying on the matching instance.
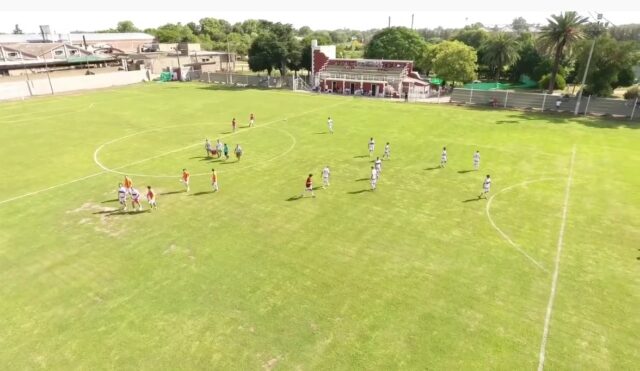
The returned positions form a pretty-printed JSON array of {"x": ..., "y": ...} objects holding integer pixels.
[
  {"x": 412, "y": 17},
  {"x": 586, "y": 70},
  {"x": 389, "y": 26},
  {"x": 46, "y": 66}
]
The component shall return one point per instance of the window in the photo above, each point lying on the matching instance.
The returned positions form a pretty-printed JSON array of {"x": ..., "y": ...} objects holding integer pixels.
[
  {"x": 73, "y": 52},
  {"x": 13, "y": 54},
  {"x": 58, "y": 52},
  {"x": 205, "y": 59}
]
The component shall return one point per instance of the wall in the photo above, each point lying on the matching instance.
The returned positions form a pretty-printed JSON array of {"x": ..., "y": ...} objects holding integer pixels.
[
  {"x": 246, "y": 80},
  {"x": 547, "y": 102},
  {"x": 24, "y": 89}
]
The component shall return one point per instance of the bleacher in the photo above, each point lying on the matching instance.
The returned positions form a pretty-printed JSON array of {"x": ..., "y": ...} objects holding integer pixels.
[{"x": 354, "y": 71}]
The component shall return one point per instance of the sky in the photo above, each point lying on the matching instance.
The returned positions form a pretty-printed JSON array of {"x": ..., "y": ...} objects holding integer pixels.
[{"x": 71, "y": 15}]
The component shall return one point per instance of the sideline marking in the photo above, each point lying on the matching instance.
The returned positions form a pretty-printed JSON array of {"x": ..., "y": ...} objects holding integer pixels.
[{"x": 556, "y": 271}]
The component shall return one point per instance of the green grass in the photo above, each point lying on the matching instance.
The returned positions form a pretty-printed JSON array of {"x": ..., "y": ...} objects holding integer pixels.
[{"x": 408, "y": 277}]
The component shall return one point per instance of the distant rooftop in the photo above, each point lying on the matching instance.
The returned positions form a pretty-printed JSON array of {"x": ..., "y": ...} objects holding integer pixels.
[{"x": 75, "y": 37}]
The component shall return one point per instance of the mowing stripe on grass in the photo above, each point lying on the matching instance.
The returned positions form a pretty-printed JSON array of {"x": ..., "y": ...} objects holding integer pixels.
[{"x": 556, "y": 271}]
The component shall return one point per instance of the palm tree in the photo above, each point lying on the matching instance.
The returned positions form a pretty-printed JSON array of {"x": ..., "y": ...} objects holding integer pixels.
[
  {"x": 500, "y": 51},
  {"x": 562, "y": 32}
]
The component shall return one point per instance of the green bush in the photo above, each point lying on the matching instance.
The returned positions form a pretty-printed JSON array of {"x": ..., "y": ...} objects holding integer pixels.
[
  {"x": 560, "y": 82},
  {"x": 632, "y": 93}
]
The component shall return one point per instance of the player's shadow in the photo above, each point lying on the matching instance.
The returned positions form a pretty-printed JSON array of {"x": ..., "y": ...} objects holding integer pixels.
[
  {"x": 358, "y": 192},
  {"x": 361, "y": 156},
  {"x": 227, "y": 162},
  {"x": 132, "y": 212},
  {"x": 294, "y": 198},
  {"x": 170, "y": 193},
  {"x": 357, "y": 180},
  {"x": 106, "y": 212},
  {"x": 227, "y": 132},
  {"x": 324, "y": 132},
  {"x": 433, "y": 168},
  {"x": 200, "y": 157},
  {"x": 107, "y": 201},
  {"x": 465, "y": 171},
  {"x": 202, "y": 193},
  {"x": 472, "y": 199}
]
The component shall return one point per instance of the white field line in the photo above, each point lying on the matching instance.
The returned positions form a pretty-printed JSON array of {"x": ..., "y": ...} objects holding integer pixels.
[
  {"x": 115, "y": 170},
  {"x": 50, "y": 188},
  {"x": 556, "y": 271},
  {"x": 105, "y": 170},
  {"x": 504, "y": 235}
]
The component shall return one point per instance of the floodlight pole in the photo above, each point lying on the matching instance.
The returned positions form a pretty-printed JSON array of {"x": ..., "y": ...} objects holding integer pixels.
[
  {"x": 584, "y": 77},
  {"x": 46, "y": 66},
  {"x": 586, "y": 70}
]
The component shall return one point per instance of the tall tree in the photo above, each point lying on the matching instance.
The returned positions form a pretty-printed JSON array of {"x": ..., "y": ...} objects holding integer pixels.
[
  {"x": 610, "y": 63},
  {"x": 126, "y": 26},
  {"x": 500, "y": 51},
  {"x": 520, "y": 25},
  {"x": 454, "y": 61},
  {"x": 559, "y": 36},
  {"x": 395, "y": 43},
  {"x": 17, "y": 30}
]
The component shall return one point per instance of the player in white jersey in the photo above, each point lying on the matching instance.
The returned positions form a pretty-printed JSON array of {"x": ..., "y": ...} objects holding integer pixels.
[
  {"x": 330, "y": 124},
  {"x": 135, "y": 200},
  {"x": 207, "y": 147},
  {"x": 378, "y": 165},
  {"x": 218, "y": 148},
  {"x": 374, "y": 178},
  {"x": 122, "y": 196},
  {"x": 372, "y": 146},
  {"x": 476, "y": 160},
  {"x": 387, "y": 152},
  {"x": 325, "y": 176},
  {"x": 486, "y": 187},
  {"x": 443, "y": 157}
]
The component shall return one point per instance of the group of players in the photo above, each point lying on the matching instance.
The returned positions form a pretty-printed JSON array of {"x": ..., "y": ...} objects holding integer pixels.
[
  {"x": 220, "y": 149},
  {"x": 486, "y": 185},
  {"x": 376, "y": 169}
]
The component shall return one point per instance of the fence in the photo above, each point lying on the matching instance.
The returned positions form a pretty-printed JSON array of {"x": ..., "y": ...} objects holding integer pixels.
[
  {"x": 246, "y": 80},
  {"x": 25, "y": 89},
  {"x": 548, "y": 102}
]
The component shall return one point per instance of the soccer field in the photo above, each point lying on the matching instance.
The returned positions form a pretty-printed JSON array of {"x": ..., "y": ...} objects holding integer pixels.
[{"x": 419, "y": 274}]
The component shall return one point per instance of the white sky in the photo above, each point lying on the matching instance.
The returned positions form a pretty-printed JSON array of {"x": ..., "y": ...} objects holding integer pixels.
[{"x": 70, "y": 15}]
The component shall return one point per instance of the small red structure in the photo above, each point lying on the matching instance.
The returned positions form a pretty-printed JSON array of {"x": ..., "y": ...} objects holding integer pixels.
[{"x": 370, "y": 77}]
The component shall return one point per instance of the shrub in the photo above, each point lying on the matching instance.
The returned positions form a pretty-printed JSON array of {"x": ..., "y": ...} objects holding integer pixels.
[
  {"x": 632, "y": 93},
  {"x": 560, "y": 82}
]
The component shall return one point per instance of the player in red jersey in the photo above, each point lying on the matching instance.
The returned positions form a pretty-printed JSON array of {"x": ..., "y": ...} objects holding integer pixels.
[
  {"x": 233, "y": 125},
  {"x": 308, "y": 186},
  {"x": 185, "y": 178},
  {"x": 252, "y": 120},
  {"x": 151, "y": 198},
  {"x": 214, "y": 180}
]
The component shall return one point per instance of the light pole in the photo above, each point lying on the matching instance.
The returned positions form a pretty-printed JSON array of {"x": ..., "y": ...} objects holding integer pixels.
[
  {"x": 179, "y": 66},
  {"x": 586, "y": 70}
]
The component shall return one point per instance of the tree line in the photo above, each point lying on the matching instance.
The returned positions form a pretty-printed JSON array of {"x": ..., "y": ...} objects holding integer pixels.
[{"x": 551, "y": 56}]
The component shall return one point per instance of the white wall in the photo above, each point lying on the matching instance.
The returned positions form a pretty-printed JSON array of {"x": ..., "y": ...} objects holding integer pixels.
[{"x": 24, "y": 89}]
